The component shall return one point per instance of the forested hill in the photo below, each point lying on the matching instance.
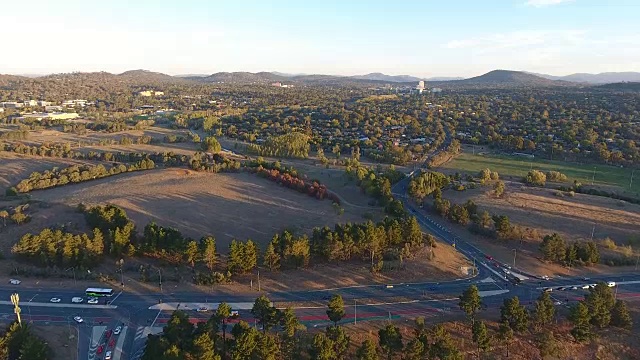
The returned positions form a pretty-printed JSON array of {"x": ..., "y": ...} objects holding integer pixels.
[
  {"x": 509, "y": 78},
  {"x": 623, "y": 86}
]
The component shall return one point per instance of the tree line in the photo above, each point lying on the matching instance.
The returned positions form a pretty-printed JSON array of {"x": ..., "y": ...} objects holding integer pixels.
[
  {"x": 555, "y": 249},
  {"x": 18, "y": 342},
  {"x": 377, "y": 184},
  {"x": 76, "y": 174},
  {"x": 289, "y": 178},
  {"x": 293, "y": 145}
]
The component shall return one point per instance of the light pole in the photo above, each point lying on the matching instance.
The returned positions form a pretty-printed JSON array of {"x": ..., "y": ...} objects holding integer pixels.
[
  {"x": 631, "y": 181},
  {"x": 515, "y": 252},
  {"x": 355, "y": 311},
  {"x": 593, "y": 177},
  {"x": 160, "y": 275},
  {"x": 15, "y": 300},
  {"x": 74, "y": 275}
]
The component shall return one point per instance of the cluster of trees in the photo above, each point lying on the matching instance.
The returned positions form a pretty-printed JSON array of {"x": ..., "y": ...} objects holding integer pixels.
[
  {"x": 211, "y": 145},
  {"x": 56, "y": 248},
  {"x": 14, "y": 135},
  {"x": 426, "y": 183},
  {"x": 76, "y": 174},
  {"x": 19, "y": 343},
  {"x": 290, "y": 180},
  {"x": 17, "y": 215},
  {"x": 377, "y": 184},
  {"x": 213, "y": 163},
  {"x": 119, "y": 231},
  {"x": 283, "y": 337},
  {"x": 555, "y": 249},
  {"x": 293, "y": 145},
  {"x": 539, "y": 178},
  {"x": 445, "y": 155}
]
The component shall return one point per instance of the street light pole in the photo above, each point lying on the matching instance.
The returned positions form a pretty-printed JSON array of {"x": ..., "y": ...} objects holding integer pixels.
[
  {"x": 160, "y": 274},
  {"x": 515, "y": 252},
  {"x": 355, "y": 311}
]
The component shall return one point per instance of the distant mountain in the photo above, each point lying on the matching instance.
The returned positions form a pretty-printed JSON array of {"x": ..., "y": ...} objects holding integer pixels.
[
  {"x": 444, "y": 78},
  {"x": 509, "y": 78},
  {"x": 146, "y": 76},
  {"x": 622, "y": 86},
  {"x": 601, "y": 78},
  {"x": 190, "y": 75},
  {"x": 240, "y": 77},
  {"x": 386, "y": 78}
]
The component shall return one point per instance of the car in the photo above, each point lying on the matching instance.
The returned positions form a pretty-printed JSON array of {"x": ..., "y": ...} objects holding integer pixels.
[
  {"x": 611, "y": 284},
  {"x": 78, "y": 319},
  {"x": 592, "y": 286},
  {"x": 585, "y": 278},
  {"x": 585, "y": 286},
  {"x": 117, "y": 330},
  {"x": 55, "y": 300},
  {"x": 92, "y": 301},
  {"x": 108, "y": 334},
  {"x": 112, "y": 342},
  {"x": 77, "y": 300},
  {"x": 574, "y": 288},
  {"x": 235, "y": 313},
  {"x": 547, "y": 289},
  {"x": 561, "y": 288},
  {"x": 489, "y": 257},
  {"x": 107, "y": 356},
  {"x": 100, "y": 349},
  {"x": 557, "y": 303},
  {"x": 545, "y": 277},
  {"x": 14, "y": 282},
  {"x": 202, "y": 309}
]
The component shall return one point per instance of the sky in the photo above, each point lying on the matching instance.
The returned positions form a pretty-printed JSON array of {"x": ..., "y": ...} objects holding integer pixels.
[{"x": 341, "y": 37}]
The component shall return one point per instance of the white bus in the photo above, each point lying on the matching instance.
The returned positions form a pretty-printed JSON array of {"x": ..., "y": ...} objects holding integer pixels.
[{"x": 97, "y": 292}]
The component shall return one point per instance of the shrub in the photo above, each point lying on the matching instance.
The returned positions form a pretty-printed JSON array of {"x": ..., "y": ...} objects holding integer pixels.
[
  {"x": 536, "y": 177},
  {"x": 609, "y": 244},
  {"x": 556, "y": 176}
]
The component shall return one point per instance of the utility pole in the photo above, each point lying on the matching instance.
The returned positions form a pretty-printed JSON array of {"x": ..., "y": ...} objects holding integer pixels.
[
  {"x": 258, "y": 280},
  {"x": 631, "y": 181},
  {"x": 593, "y": 230},
  {"x": 515, "y": 252},
  {"x": 160, "y": 275},
  {"x": 593, "y": 177},
  {"x": 15, "y": 300},
  {"x": 355, "y": 311}
]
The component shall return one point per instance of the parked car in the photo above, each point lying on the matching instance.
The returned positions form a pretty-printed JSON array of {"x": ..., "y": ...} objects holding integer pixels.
[
  {"x": 78, "y": 319},
  {"x": 585, "y": 286},
  {"x": 14, "y": 282},
  {"x": 202, "y": 309},
  {"x": 55, "y": 300},
  {"x": 548, "y": 289},
  {"x": 545, "y": 277},
  {"x": 235, "y": 313}
]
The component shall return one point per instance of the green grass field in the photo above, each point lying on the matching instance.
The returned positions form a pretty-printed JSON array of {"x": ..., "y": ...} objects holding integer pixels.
[{"x": 519, "y": 166}]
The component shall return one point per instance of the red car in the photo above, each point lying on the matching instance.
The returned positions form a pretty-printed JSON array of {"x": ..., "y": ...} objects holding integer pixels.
[
  {"x": 112, "y": 342},
  {"x": 107, "y": 334},
  {"x": 100, "y": 349},
  {"x": 489, "y": 257}
]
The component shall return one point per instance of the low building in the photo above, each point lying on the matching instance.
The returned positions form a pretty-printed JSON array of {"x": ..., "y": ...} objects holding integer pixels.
[
  {"x": 74, "y": 103},
  {"x": 436, "y": 90},
  {"x": 11, "y": 104},
  {"x": 53, "y": 108},
  {"x": 151, "y": 93},
  {"x": 30, "y": 103},
  {"x": 44, "y": 103},
  {"x": 54, "y": 116}
]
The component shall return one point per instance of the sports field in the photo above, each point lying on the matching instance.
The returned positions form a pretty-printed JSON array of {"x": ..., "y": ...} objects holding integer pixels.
[{"x": 511, "y": 166}]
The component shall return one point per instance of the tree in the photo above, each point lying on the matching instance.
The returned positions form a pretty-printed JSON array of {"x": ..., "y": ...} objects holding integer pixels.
[
  {"x": 390, "y": 340},
  {"x": 266, "y": 314},
  {"x": 245, "y": 341},
  {"x": 553, "y": 248},
  {"x": 544, "y": 311},
  {"x": 514, "y": 314},
  {"x": 250, "y": 255},
  {"x": 581, "y": 322},
  {"x": 480, "y": 336},
  {"x": 600, "y": 301},
  {"x": 191, "y": 253},
  {"x": 470, "y": 301},
  {"x": 204, "y": 348},
  {"x": 505, "y": 333},
  {"x": 498, "y": 188},
  {"x": 322, "y": 348},
  {"x": 208, "y": 250},
  {"x": 547, "y": 344},
  {"x": 535, "y": 177},
  {"x": 503, "y": 226},
  {"x": 290, "y": 324},
  {"x": 367, "y": 351},
  {"x": 620, "y": 316},
  {"x": 335, "y": 310},
  {"x": 442, "y": 346},
  {"x": 340, "y": 340},
  {"x": 221, "y": 316},
  {"x": 271, "y": 258},
  {"x": 267, "y": 348},
  {"x": 211, "y": 144},
  {"x": 4, "y": 214},
  {"x": 414, "y": 350}
]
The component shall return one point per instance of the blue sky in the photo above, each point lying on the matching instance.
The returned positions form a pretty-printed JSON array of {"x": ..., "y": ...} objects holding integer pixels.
[{"x": 421, "y": 37}]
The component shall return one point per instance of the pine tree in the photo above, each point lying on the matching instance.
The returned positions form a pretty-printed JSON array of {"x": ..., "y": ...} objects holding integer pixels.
[
  {"x": 390, "y": 340},
  {"x": 620, "y": 316},
  {"x": 544, "y": 311},
  {"x": 547, "y": 344},
  {"x": 208, "y": 251},
  {"x": 600, "y": 301},
  {"x": 470, "y": 301},
  {"x": 267, "y": 348},
  {"x": 223, "y": 312},
  {"x": 480, "y": 336},
  {"x": 271, "y": 258},
  {"x": 204, "y": 348},
  {"x": 515, "y": 314},
  {"x": 191, "y": 253},
  {"x": 581, "y": 322},
  {"x": 414, "y": 350},
  {"x": 340, "y": 340},
  {"x": 236, "y": 254},
  {"x": 505, "y": 333},
  {"x": 335, "y": 310},
  {"x": 266, "y": 314},
  {"x": 367, "y": 351},
  {"x": 322, "y": 348},
  {"x": 250, "y": 255}
]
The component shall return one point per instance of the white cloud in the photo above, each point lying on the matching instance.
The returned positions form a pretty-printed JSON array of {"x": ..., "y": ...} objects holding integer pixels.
[{"x": 543, "y": 3}]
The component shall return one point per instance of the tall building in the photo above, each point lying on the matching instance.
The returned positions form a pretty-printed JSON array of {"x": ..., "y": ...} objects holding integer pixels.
[{"x": 420, "y": 85}]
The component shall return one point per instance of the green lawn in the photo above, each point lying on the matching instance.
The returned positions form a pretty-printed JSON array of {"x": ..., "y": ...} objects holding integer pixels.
[{"x": 519, "y": 166}]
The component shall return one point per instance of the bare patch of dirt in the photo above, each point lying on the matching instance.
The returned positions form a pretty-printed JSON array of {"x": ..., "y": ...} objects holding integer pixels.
[
  {"x": 15, "y": 167},
  {"x": 63, "y": 340}
]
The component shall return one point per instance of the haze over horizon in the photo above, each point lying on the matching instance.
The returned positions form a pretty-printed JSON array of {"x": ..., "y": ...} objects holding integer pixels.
[{"x": 457, "y": 39}]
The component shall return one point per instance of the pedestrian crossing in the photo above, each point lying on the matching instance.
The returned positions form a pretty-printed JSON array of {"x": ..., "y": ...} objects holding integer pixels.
[{"x": 140, "y": 340}]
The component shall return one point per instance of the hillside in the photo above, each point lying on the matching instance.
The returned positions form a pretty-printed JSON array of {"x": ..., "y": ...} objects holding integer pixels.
[
  {"x": 387, "y": 78},
  {"x": 622, "y": 86},
  {"x": 601, "y": 78},
  {"x": 508, "y": 78},
  {"x": 146, "y": 76},
  {"x": 240, "y": 77}
]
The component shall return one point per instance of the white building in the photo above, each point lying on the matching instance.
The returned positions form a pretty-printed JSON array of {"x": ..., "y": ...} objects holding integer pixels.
[
  {"x": 74, "y": 103},
  {"x": 55, "y": 116},
  {"x": 52, "y": 108},
  {"x": 151, "y": 93},
  {"x": 44, "y": 103},
  {"x": 30, "y": 103},
  {"x": 11, "y": 104}
]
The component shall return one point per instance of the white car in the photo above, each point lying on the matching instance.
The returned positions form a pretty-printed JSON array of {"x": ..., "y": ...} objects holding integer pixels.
[
  {"x": 545, "y": 277},
  {"x": 77, "y": 300},
  {"x": 611, "y": 284},
  {"x": 548, "y": 289},
  {"x": 235, "y": 313},
  {"x": 202, "y": 309},
  {"x": 586, "y": 286},
  {"x": 14, "y": 282},
  {"x": 557, "y": 303},
  {"x": 107, "y": 356},
  {"x": 92, "y": 301},
  {"x": 55, "y": 300},
  {"x": 78, "y": 319},
  {"x": 117, "y": 330}
]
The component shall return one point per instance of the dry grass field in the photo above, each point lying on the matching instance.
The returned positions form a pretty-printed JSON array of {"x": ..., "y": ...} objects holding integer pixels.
[
  {"x": 228, "y": 206},
  {"x": 540, "y": 209}
]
